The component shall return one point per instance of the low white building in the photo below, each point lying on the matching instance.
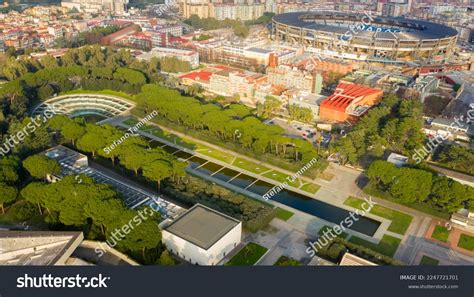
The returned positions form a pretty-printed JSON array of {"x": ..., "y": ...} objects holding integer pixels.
[
  {"x": 397, "y": 160},
  {"x": 464, "y": 218},
  {"x": 202, "y": 235}
]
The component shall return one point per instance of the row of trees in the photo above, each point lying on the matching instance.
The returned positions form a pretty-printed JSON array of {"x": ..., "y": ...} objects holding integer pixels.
[
  {"x": 72, "y": 203},
  {"x": 456, "y": 157},
  {"x": 89, "y": 68},
  {"x": 231, "y": 124},
  {"x": 417, "y": 185},
  {"x": 133, "y": 152},
  {"x": 95, "y": 207},
  {"x": 395, "y": 125},
  {"x": 301, "y": 114},
  {"x": 9, "y": 179},
  {"x": 254, "y": 214}
]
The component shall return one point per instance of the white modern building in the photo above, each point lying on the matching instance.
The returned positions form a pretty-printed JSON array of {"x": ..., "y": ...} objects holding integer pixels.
[{"x": 202, "y": 235}]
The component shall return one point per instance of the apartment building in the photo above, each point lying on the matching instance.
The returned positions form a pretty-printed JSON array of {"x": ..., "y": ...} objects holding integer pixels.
[
  {"x": 117, "y": 7},
  {"x": 292, "y": 77}
]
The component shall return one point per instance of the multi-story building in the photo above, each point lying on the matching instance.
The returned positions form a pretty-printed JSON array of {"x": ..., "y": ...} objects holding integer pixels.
[
  {"x": 229, "y": 82},
  {"x": 175, "y": 30},
  {"x": 191, "y": 57},
  {"x": 243, "y": 12},
  {"x": 237, "y": 9},
  {"x": 292, "y": 77},
  {"x": 140, "y": 40},
  {"x": 159, "y": 39},
  {"x": 56, "y": 31},
  {"x": 393, "y": 9},
  {"x": 97, "y": 6}
]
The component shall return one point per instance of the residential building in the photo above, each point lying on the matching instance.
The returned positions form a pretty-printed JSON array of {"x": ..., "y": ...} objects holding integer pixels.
[
  {"x": 292, "y": 77},
  {"x": 97, "y": 6},
  {"x": 243, "y": 10},
  {"x": 159, "y": 39},
  {"x": 56, "y": 31},
  {"x": 175, "y": 30},
  {"x": 426, "y": 85}
]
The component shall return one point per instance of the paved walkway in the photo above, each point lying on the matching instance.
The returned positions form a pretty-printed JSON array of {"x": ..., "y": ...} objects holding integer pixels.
[{"x": 453, "y": 238}]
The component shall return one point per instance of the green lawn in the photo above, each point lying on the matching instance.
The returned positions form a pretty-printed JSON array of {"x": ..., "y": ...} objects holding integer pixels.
[
  {"x": 440, "y": 233},
  {"x": 213, "y": 153},
  {"x": 388, "y": 245},
  {"x": 286, "y": 261},
  {"x": 248, "y": 256},
  {"x": 283, "y": 214},
  {"x": 400, "y": 221},
  {"x": 281, "y": 177},
  {"x": 428, "y": 261},
  {"x": 250, "y": 166},
  {"x": 100, "y": 92},
  {"x": 466, "y": 242},
  {"x": 343, "y": 235},
  {"x": 130, "y": 122},
  {"x": 310, "y": 188}
]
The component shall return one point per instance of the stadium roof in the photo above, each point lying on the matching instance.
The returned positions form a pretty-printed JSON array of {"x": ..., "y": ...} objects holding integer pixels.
[
  {"x": 411, "y": 29},
  {"x": 202, "y": 226},
  {"x": 345, "y": 94}
]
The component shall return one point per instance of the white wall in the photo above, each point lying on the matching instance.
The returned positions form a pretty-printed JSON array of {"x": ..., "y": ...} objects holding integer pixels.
[{"x": 195, "y": 254}]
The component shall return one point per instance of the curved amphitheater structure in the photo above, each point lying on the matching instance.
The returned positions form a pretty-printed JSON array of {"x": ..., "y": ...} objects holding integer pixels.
[
  {"x": 85, "y": 104},
  {"x": 365, "y": 37}
]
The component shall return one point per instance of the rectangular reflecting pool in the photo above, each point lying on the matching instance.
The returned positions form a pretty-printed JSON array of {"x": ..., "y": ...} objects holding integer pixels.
[{"x": 302, "y": 203}]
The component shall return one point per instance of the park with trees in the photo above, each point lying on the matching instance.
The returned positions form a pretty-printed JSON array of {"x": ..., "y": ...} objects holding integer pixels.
[{"x": 413, "y": 185}]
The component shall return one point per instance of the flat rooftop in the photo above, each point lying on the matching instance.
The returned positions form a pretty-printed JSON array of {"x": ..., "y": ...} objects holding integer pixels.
[
  {"x": 37, "y": 247},
  {"x": 202, "y": 226}
]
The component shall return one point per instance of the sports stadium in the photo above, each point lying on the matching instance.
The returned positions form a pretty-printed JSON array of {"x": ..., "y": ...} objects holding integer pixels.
[{"x": 364, "y": 37}]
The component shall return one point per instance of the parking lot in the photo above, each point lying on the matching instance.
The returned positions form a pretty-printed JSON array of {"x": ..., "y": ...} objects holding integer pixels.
[{"x": 303, "y": 131}]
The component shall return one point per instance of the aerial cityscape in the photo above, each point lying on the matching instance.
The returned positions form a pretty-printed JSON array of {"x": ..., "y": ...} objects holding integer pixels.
[{"x": 236, "y": 133}]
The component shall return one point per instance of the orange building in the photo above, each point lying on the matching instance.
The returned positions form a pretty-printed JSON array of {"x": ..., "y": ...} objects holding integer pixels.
[{"x": 349, "y": 102}]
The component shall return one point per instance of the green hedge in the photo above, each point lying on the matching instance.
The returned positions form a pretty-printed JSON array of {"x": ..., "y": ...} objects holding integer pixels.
[
  {"x": 254, "y": 214},
  {"x": 338, "y": 246}
]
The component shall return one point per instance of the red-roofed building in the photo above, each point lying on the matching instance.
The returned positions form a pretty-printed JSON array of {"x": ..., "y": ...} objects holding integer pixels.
[
  {"x": 201, "y": 77},
  {"x": 349, "y": 102}
]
